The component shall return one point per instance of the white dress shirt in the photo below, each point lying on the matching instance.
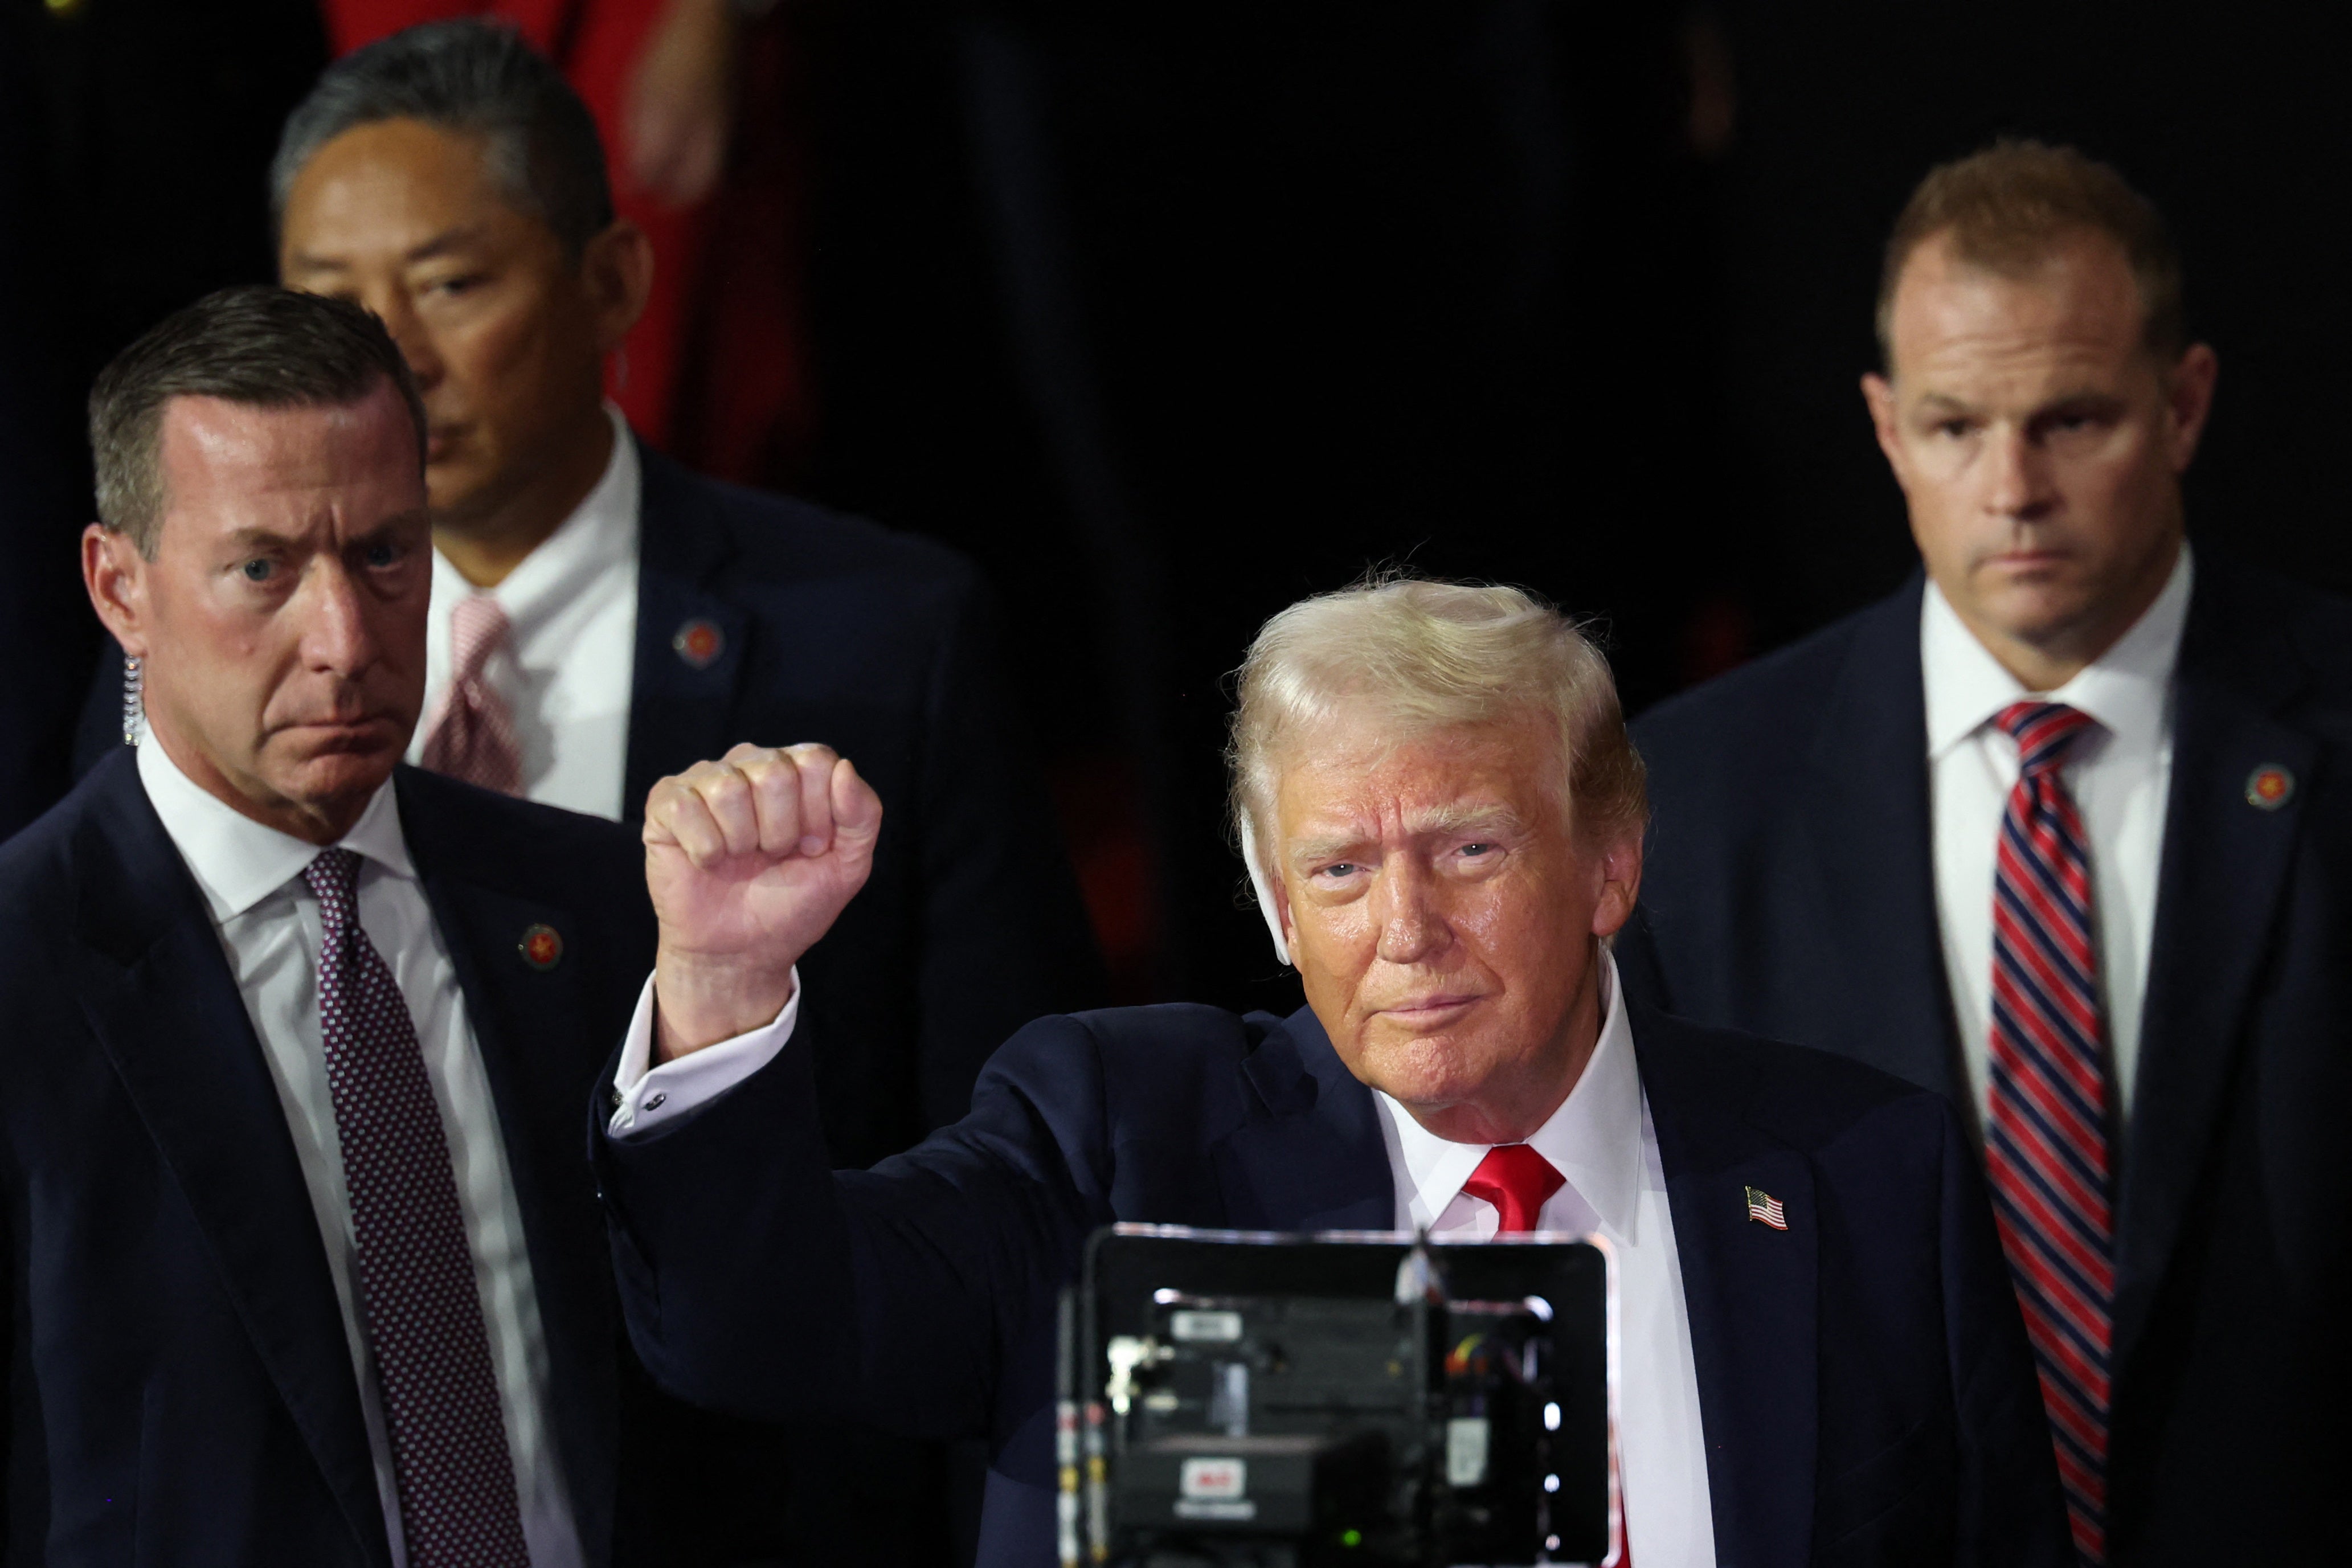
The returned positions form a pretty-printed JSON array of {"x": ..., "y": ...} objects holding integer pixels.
[
  {"x": 268, "y": 918},
  {"x": 567, "y": 676},
  {"x": 1600, "y": 1139},
  {"x": 2120, "y": 773}
]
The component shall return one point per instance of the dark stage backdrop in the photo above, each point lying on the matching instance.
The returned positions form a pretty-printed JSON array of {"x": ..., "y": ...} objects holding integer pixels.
[
  {"x": 1173, "y": 319},
  {"x": 1170, "y": 316}
]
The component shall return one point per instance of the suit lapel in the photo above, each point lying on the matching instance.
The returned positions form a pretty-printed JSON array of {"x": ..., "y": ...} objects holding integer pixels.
[
  {"x": 1752, "y": 1295},
  {"x": 166, "y": 1009},
  {"x": 541, "y": 1054},
  {"x": 1316, "y": 1161},
  {"x": 1869, "y": 819},
  {"x": 2224, "y": 869},
  {"x": 691, "y": 643}
]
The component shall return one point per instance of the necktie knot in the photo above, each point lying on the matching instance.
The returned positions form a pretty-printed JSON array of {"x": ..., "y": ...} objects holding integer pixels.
[
  {"x": 478, "y": 627},
  {"x": 1518, "y": 1181},
  {"x": 334, "y": 878},
  {"x": 2043, "y": 732}
]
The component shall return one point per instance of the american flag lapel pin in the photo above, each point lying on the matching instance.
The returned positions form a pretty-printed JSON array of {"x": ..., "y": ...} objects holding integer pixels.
[{"x": 1765, "y": 1209}]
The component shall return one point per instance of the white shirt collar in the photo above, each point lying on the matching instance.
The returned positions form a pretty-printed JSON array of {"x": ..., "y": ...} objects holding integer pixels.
[
  {"x": 1594, "y": 1139},
  {"x": 602, "y": 529},
  {"x": 239, "y": 861},
  {"x": 2126, "y": 689}
]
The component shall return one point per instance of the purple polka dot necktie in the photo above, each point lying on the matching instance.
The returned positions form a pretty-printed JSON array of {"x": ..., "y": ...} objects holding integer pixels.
[{"x": 423, "y": 1314}]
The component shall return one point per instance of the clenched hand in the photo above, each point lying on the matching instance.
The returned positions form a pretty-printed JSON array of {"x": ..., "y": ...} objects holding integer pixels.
[{"x": 750, "y": 860}]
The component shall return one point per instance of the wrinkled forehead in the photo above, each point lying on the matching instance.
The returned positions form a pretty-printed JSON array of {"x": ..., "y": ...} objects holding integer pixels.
[{"x": 1370, "y": 768}]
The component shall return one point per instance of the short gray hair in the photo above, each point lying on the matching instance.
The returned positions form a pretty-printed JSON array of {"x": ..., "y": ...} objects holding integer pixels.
[
  {"x": 1429, "y": 655},
  {"x": 260, "y": 347},
  {"x": 479, "y": 79}
]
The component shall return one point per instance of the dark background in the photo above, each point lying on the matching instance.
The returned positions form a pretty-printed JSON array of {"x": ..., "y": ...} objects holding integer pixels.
[{"x": 1170, "y": 316}]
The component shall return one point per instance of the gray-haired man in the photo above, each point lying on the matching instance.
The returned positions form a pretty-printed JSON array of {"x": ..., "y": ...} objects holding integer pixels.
[{"x": 1446, "y": 818}]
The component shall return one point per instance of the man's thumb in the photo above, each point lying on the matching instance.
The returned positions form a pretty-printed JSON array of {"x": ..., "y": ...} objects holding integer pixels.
[{"x": 856, "y": 808}]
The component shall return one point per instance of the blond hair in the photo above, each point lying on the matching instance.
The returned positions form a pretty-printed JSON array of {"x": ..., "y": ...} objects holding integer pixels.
[{"x": 1426, "y": 656}]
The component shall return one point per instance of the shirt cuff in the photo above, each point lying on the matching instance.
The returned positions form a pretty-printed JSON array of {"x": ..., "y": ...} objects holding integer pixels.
[{"x": 645, "y": 1097}]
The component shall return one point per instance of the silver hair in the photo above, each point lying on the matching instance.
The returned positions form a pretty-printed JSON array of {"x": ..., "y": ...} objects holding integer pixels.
[
  {"x": 479, "y": 79},
  {"x": 1427, "y": 656}
]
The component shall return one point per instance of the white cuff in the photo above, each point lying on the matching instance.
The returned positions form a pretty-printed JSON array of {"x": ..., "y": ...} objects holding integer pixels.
[{"x": 645, "y": 1098}]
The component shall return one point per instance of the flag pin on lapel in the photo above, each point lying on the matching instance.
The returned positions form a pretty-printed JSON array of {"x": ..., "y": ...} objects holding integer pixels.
[
  {"x": 2269, "y": 787},
  {"x": 540, "y": 947},
  {"x": 1765, "y": 1209},
  {"x": 698, "y": 643}
]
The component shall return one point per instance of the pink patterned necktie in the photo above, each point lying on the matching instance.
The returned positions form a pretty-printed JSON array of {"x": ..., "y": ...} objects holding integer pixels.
[
  {"x": 423, "y": 1314},
  {"x": 2046, "y": 1117},
  {"x": 474, "y": 736}
]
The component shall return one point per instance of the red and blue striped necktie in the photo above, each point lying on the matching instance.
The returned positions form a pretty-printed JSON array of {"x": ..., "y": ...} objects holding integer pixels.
[{"x": 2046, "y": 1119}]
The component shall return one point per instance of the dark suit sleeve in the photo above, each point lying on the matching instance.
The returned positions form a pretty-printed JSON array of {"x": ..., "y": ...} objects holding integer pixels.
[
  {"x": 1004, "y": 935},
  {"x": 917, "y": 1296},
  {"x": 2010, "y": 1510}
]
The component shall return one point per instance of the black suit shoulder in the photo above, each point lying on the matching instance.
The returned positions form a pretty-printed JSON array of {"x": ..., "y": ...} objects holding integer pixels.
[
  {"x": 40, "y": 857},
  {"x": 776, "y": 539},
  {"x": 1801, "y": 1097},
  {"x": 2240, "y": 600},
  {"x": 517, "y": 845},
  {"x": 1763, "y": 713},
  {"x": 1092, "y": 1075}
]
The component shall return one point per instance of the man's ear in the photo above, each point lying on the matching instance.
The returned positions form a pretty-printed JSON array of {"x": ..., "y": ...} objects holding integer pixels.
[
  {"x": 617, "y": 267},
  {"x": 2189, "y": 398},
  {"x": 1621, "y": 886},
  {"x": 116, "y": 577}
]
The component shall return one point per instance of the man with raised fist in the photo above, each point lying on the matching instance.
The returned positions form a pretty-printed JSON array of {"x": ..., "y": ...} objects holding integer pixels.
[{"x": 1443, "y": 817}]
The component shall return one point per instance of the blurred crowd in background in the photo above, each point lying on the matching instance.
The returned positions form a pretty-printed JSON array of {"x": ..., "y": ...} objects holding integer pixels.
[{"x": 1168, "y": 317}]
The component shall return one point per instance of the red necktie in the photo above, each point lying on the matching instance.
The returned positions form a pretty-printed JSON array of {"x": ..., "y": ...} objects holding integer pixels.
[
  {"x": 473, "y": 737},
  {"x": 1519, "y": 1182},
  {"x": 2045, "y": 1121}
]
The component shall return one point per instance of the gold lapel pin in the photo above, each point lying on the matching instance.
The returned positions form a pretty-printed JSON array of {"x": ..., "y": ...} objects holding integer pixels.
[{"x": 1765, "y": 1209}]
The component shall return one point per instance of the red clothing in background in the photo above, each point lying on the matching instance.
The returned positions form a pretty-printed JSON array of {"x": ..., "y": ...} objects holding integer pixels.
[{"x": 714, "y": 374}]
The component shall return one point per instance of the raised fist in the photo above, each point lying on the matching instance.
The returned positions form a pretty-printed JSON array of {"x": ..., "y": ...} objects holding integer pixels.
[{"x": 750, "y": 860}]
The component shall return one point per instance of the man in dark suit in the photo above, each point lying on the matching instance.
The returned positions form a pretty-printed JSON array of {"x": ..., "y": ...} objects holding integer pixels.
[
  {"x": 603, "y": 616},
  {"x": 2062, "y": 831},
  {"x": 1444, "y": 814},
  {"x": 302, "y": 1260}
]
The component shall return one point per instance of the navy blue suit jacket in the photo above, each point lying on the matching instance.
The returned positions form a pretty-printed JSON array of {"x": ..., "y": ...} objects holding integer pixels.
[
  {"x": 1789, "y": 890},
  {"x": 1865, "y": 1385},
  {"x": 179, "y": 1386},
  {"x": 881, "y": 645}
]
